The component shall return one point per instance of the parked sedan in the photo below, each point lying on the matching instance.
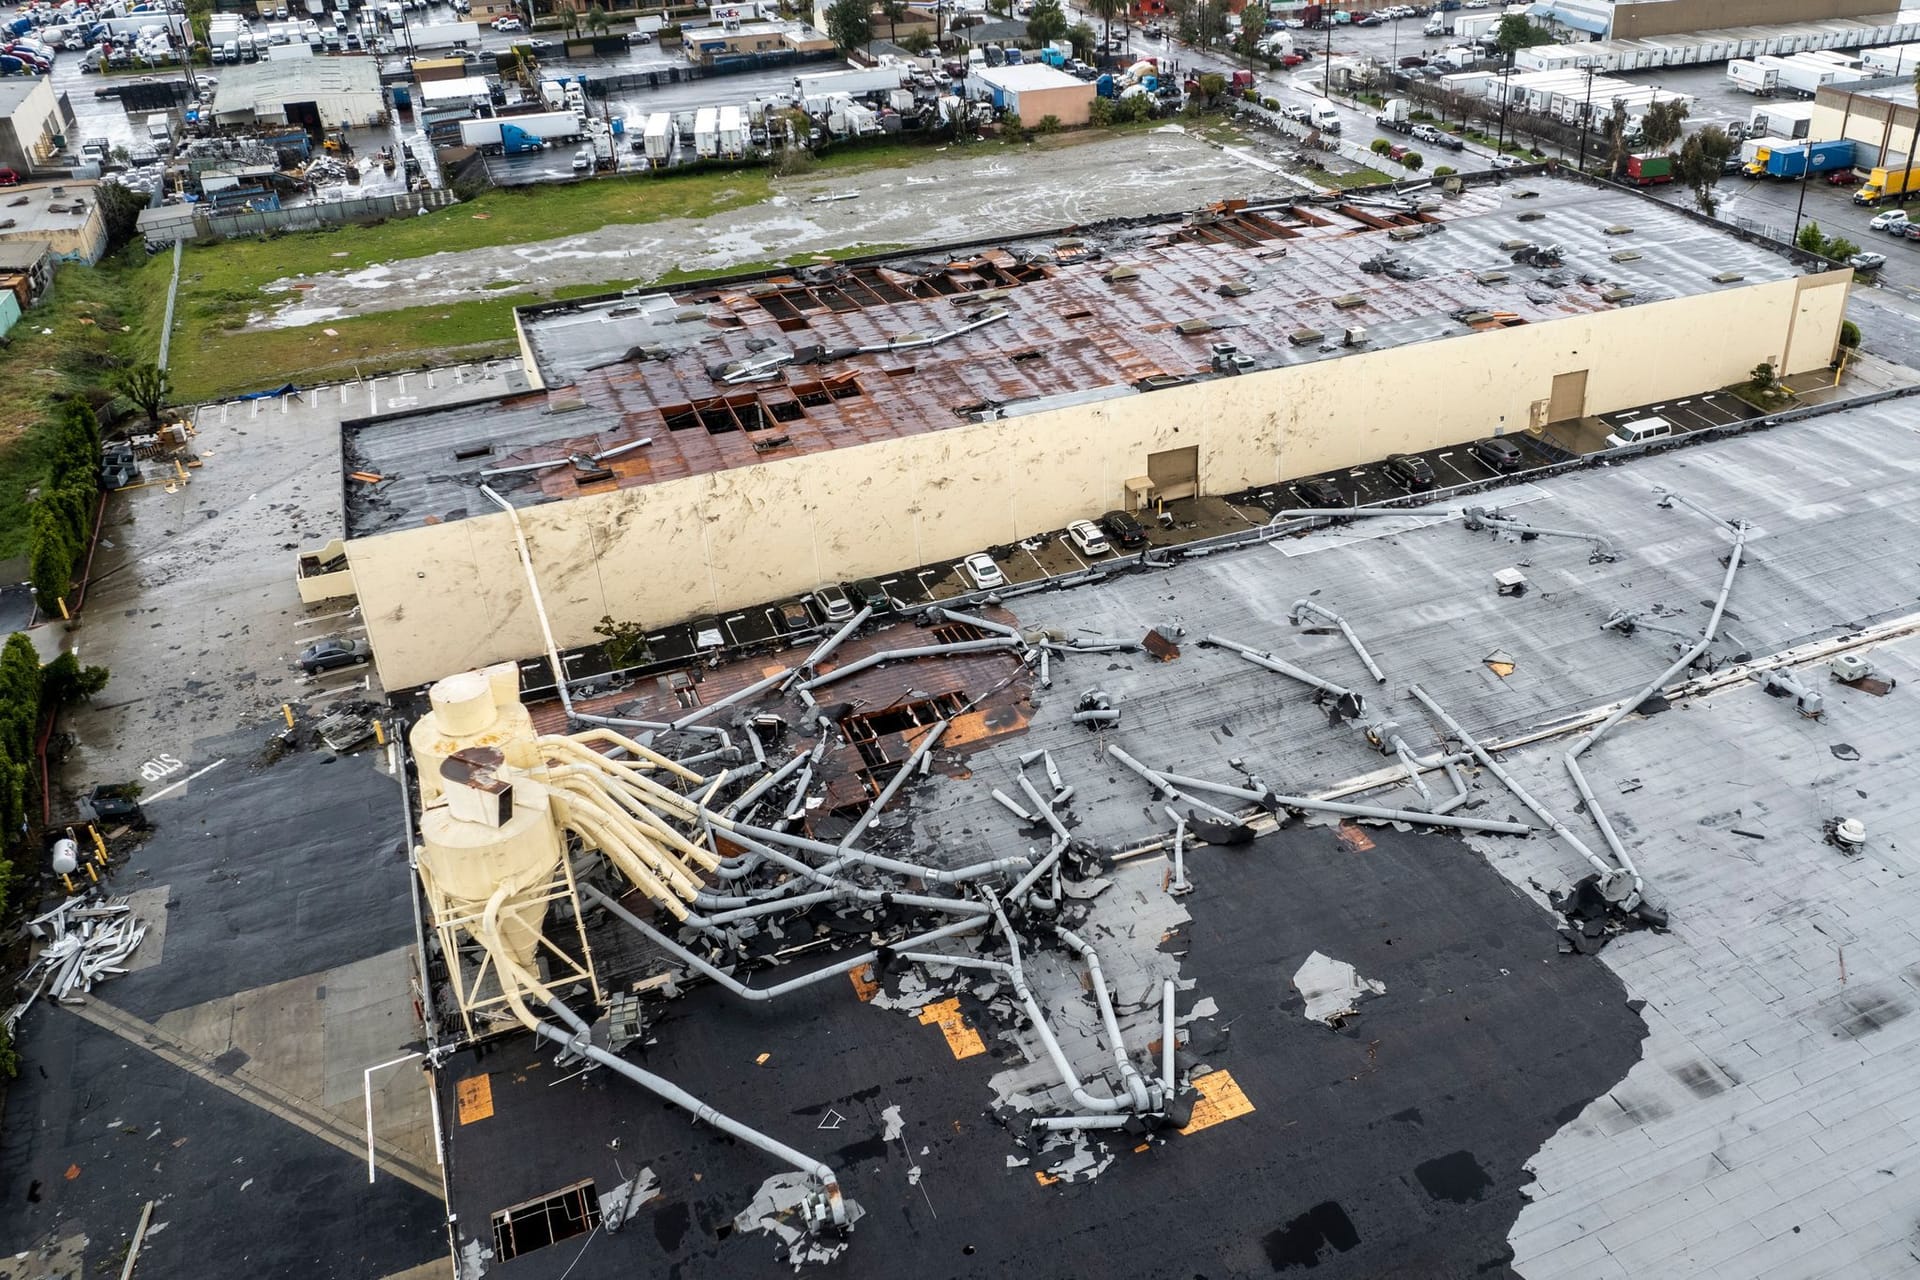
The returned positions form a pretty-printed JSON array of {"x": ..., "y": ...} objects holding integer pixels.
[
  {"x": 1410, "y": 471},
  {"x": 1867, "y": 261},
  {"x": 983, "y": 571},
  {"x": 333, "y": 651},
  {"x": 9, "y": 178},
  {"x": 833, "y": 603},
  {"x": 1320, "y": 492}
]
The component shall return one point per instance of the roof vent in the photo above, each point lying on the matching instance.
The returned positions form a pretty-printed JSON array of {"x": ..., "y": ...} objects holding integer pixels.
[
  {"x": 1120, "y": 275},
  {"x": 1618, "y": 230},
  {"x": 1626, "y": 255},
  {"x": 1616, "y": 295},
  {"x": 1531, "y": 215},
  {"x": 1305, "y": 337},
  {"x": 1348, "y": 301},
  {"x": 1190, "y": 328},
  {"x": 1729, "y": 277},
  {"x": 1492, "y": 277},
  {"x": 1234, "y": 289}
]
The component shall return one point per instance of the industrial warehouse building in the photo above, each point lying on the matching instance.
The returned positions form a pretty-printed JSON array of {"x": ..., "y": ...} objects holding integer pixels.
[
  {"x": 1878, "y": 115},
  {"x": 316, "y": 93},
  {"x": 34, "y": 124},
  {"x": 731, "y": 443},
  {"x": 1034, "y": 91}
]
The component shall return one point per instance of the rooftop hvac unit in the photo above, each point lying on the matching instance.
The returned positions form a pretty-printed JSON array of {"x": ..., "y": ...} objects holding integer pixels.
[{"x": 1355, "y": 336}]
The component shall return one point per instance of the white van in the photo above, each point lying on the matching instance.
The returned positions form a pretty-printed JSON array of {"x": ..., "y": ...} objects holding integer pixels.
[{"x": 1639, "y": 431}]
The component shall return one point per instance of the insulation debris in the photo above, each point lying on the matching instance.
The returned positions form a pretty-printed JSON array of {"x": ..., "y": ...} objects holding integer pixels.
[{"x": 1332, "y": 989}]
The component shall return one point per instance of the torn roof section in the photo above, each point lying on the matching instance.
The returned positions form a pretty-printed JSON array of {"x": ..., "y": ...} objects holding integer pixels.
[{"x": 833, "y": 355}]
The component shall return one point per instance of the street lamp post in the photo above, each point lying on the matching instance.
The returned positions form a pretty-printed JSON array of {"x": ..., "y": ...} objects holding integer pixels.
[
  {"x": 1586, "y": 120},
  {"x": 1506, "y": 74}
]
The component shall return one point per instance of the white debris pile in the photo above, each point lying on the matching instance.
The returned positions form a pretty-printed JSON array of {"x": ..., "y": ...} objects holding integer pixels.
[{"x": 87, "y": 941}]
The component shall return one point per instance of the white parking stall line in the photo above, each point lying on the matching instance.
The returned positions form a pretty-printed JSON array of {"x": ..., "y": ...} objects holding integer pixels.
[
  {"x": 166, "y": 791},
  {"x": 328, "y": 617}
]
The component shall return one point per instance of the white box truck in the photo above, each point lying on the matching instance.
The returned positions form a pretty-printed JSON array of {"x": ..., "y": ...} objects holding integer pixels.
[
  {"x": 660, "y": 140},
  {"x": 733, "y": 133},
  {"x": 706, "y": 133}
]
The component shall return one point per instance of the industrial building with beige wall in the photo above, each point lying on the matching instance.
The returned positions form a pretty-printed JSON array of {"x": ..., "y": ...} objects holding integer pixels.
[{"x": 733, "y": 443}]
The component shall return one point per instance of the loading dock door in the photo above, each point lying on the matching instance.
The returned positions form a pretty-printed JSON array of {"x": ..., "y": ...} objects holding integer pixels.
[
  {"x": 1569, "y": 399},
  {"x": 305, "y": 115},
  {"x": 1175, "y": 472}
]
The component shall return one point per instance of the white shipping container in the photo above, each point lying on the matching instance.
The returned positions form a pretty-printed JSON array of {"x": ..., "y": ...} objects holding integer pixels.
[
  {"x": 706, "y": 133},
  {"x": 661, "y": 138}
]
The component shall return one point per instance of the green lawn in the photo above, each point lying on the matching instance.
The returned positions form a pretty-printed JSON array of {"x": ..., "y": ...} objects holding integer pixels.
[{"x": 498, "y": 217}]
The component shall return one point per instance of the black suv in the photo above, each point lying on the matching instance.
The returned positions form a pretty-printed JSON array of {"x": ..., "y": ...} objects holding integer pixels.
[
  {"x": 1409, "y": 470},
  {"x": 1498, "y": 453},
  {"x": 1123, "y": 529}
]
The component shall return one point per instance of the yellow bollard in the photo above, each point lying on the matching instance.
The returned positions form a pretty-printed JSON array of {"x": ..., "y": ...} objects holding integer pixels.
[
  {"x": 69, "y": 883},
  {"x": 62, "y": 602},
  {"x": 182, "y": 470},
  {"x": 379, "y": 733},
  {"x": 98, "y": 843},
  {"x": 92, "y": 874},
  {"x": 286, "y": 709}
]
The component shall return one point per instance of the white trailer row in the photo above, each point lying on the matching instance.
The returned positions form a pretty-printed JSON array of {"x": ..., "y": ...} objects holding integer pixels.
[
  {"x": 1899, "y": 60},
  {"x": 1703, "y": 47},
  {"x": 1567, "y": 96}
]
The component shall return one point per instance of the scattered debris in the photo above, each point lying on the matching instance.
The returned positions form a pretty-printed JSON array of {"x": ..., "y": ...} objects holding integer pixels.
[
  {"x": 88, "y": 941},
  {"x": 1593, "y": 920},
  {"x": 1847, "y": 835}
]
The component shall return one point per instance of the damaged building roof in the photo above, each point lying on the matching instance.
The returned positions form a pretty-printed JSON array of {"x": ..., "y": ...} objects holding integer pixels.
[
  {"x": 659, "y": 385},
  {"x": 1390, "y": 1067}
]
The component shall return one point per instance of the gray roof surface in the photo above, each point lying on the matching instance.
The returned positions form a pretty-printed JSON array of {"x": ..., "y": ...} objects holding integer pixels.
[{"x": 1836, "y": 506}]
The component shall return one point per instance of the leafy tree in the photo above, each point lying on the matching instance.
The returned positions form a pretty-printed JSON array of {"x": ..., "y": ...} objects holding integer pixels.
[
  {"x": 1761, "y": 379},
  {"x": 146, "y": 385},
  {"x": 1082, "y": 37},
  {"x": 1047, "y": 22},
  {"x": 1812, "y": 238},
  {"x": 1211, "y": 21},
  {"x": 1212, "y": 85},
  {"x": 1660, "y": 126},
  {"x": 850, "y": 24},
  {"x": 1699, "y": 162},
  {"x": 1849, "y": 334},
  {"x": 597, "y": 20},
  {"x": 1412, "y": 160},
  {"x": 1515, "y": 32},
  {"x": 1615, "y": 132}
]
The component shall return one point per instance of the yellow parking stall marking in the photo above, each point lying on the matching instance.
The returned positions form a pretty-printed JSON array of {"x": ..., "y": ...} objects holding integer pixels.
[
  {"x": 475, "y": 1097},
  {"x": 1220, "y": 1100},
  {"x": 863, "y": 984},
  {"x": 961, "y": 1038},
  {"x": 1044, "y": 1178}
]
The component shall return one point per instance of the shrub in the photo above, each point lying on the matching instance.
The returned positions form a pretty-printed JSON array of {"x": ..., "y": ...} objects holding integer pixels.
[
  {"x": 1380, "y": 146},
  {"x": 1103, "y": 112},
  {"x": 1444, "y": 171},
  {"x": 1411, "y": 160},
  {"x": 1761, "y": 379},
  {"x": 1271, "y": 104},
  {"x": 1010, "y": 121},
  {"x": 1049, "y": 124},
  {"x": 1849, "y": 334}
]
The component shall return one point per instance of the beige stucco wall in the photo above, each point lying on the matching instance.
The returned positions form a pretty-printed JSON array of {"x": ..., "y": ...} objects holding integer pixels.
[
  {"x": 441, "y": 598},
  {"x": 1674, "y": 17},
  {"x": 1073, "y": 104},
  {"x": 1882, "y": 131}
]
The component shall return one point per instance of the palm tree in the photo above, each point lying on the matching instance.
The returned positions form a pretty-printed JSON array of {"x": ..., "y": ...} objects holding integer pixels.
[{"x": 1107, "y": 11}]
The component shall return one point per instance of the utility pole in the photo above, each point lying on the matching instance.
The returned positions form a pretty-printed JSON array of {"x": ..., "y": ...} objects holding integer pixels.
[
  {"x": 1586, "y": 120},
  {"x": 1326, "y": 74},
  {"x": 1506, "y": 74},
  {"x": 1801, "y": 207}
]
